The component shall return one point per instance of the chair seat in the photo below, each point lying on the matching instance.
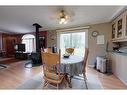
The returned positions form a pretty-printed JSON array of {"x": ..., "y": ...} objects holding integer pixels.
[{"x": 53, "y": 77}]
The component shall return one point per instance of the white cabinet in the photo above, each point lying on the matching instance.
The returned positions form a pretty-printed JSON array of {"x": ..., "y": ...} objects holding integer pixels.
[
  {"x": 120, "y": 23},
  {"x": 119, "y": 66},
  {"x": 114, "y": 24},
  {"x": 119, "y": 28},
  {"x": 125, "y": 24}
]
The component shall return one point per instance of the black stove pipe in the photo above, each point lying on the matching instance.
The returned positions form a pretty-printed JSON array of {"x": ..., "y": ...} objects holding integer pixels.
[{"x": 37, "y": 26}]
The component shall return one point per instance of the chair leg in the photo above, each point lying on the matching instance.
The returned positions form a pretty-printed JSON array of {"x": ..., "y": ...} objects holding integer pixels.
[
  {"x": 86, "y": 84},
  {"x": 64, "y": 81},
  {"x": 85, "y": 79},
  {"x": 45, "y": 84},
  {"x": 57, "y": 86}
]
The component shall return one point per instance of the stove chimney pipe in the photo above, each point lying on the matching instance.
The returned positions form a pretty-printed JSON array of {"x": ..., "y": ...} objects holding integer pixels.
[{"x": 37, "y": 26}]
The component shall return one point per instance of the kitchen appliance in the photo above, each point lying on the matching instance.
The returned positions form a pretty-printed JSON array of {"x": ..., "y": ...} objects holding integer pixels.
[{"x": 101, "y": 64}]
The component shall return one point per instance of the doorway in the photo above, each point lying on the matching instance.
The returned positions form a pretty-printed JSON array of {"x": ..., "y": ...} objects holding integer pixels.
[{"x": 29, "y": 41}]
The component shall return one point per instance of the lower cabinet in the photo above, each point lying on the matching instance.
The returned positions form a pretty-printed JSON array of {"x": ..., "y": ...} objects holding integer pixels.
[{"x": 119, "y": 66}]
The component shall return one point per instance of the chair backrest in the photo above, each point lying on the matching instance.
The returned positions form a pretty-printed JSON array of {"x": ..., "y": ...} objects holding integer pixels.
[
  {"x": 50, "y": 58},
  {"x": 51, "y": 64},
  {"x": 70, "y": 50},
  {"x": 85, "y": 59}
]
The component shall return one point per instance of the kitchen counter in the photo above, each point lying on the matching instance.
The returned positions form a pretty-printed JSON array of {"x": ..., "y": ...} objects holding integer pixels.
[
  {"x": 119, "y": 65},
  {"x": 120, "y": 53}
]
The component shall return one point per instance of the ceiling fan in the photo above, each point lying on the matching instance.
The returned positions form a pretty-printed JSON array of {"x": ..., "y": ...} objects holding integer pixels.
[{"x": 63, "y": 17}]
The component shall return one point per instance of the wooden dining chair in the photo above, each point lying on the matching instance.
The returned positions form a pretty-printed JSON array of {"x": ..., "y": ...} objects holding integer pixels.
[
  {"x": 83, "y": 68},
  {"x": 84, "y": 65},
  {"x": 51, "y": 69},
  {"x": 69, "y": 50}
]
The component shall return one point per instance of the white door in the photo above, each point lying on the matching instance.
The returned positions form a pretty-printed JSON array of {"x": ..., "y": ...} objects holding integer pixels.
[{"x": 73, "y": 40}]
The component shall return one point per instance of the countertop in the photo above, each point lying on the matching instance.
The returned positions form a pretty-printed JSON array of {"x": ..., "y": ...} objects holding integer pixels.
[{"x": 120, "y": 53}]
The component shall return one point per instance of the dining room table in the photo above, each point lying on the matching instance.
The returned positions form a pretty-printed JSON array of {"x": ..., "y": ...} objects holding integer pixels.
[{"x": 71, "y": 66}]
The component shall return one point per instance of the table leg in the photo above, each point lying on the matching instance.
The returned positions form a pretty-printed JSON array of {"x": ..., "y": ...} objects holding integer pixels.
[{"x": 71, "y": 78}]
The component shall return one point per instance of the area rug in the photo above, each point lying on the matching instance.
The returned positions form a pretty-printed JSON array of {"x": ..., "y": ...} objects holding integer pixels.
[
  {"x": 37, "y": 83},
  {"x": 5, "y": 62},
  {"x": 2, "y": 66}
]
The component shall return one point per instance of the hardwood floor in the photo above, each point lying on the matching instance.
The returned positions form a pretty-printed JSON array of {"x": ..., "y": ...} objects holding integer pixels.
[
  {"x": 16, "y": 74},
  {"x": 107, "y": 81}
]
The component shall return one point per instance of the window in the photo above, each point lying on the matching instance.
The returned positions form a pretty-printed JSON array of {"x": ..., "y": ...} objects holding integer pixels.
[
  {"x": 29, "y": 41},
  {"x": 74, "y": 40}
]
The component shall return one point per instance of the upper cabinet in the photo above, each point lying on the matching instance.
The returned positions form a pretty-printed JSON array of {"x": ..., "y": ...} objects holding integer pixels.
[
  {"x": 119, "y": 28},
  {"x": 125, "y": 23},
  {"x": 113, "y": 30}
]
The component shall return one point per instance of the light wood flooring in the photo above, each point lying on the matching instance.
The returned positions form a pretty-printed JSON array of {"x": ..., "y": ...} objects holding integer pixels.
[
  {"x": 107, "y": 81},
  {"x": 16, "y": 74}
]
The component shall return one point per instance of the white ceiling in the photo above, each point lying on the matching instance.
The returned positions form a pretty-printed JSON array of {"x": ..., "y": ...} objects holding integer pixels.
[{"x": 19, "y": 19}]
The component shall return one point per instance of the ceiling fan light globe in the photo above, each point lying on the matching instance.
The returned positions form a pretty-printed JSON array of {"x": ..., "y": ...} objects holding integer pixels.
[
  {"x": 60, "y": 22},
  {"x": 66, "y": 17},
  {"x": 65, "y": 22},
  {"x": 62, "y": 19}
]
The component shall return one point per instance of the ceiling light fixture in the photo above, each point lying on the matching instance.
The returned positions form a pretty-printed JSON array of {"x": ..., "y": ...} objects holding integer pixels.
[{"x": 63, "y": 17}]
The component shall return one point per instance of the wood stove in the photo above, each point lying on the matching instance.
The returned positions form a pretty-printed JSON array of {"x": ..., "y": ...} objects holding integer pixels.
[{"x": 35, "y": 57}]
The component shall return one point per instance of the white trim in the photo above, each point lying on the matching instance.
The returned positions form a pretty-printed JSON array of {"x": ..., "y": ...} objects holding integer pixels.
[
  {"x": 28, "y": 36},
  {"x": 73, "y": 29},
  {"x": 58, "y": 40},
  {"x": 118, "y": 12}
]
